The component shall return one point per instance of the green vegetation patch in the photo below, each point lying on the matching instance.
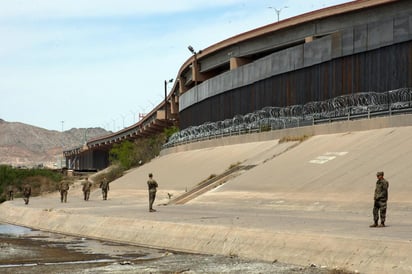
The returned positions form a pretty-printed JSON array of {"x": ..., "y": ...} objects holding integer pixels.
[{"x": 41, "y": 180}]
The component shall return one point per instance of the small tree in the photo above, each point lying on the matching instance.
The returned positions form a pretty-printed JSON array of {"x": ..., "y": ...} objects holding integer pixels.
[
  {"x": 129, "y": 154},
  {"x": 122, "y": 154}
]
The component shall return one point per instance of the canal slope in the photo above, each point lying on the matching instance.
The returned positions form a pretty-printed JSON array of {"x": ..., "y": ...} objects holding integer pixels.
[{"x": 304, "y": 202}]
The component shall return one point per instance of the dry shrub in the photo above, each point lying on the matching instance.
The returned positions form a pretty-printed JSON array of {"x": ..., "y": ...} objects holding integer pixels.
[
  {"x": 40, "y": 184},
  {"x": 112, "y": 174},
  {"x": 340, "y": 271},
  {"x": 294, "y": 138}
]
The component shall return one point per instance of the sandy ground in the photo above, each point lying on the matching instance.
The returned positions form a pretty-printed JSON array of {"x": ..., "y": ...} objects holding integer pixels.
[{"x": 306, "y": 203}]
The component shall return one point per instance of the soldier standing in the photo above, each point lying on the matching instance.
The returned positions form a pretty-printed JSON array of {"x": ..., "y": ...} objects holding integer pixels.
[
  {"x": 152, "y": 185},
  {"x": 10, "y": 192},
  {"x": 64, "y": 188},
  {"x": 104, "y": 185},
  {"x": 380, "y": 200},
  {"x": 87, "y": 185},
  {"x": 26, "y": 193}
]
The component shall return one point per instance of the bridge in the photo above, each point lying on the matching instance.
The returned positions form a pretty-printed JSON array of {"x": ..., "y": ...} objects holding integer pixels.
[
  {"x": 344, "y": 50},
  {"x": 94, "y": 154}
]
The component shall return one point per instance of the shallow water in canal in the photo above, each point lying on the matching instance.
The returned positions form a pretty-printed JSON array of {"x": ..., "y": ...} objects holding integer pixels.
[{"x": 24, "y": 250}]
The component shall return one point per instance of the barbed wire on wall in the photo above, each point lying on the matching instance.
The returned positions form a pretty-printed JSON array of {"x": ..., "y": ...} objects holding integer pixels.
[{"x": 272, "y": 118}]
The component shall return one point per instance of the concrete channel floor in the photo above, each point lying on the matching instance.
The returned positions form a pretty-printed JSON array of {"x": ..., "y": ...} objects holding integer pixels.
[{"x": 303, "y": 203}]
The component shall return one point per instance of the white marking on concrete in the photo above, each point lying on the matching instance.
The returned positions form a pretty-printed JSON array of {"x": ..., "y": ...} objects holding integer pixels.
[
  {"x": 328, "y": 156},
  {"x": 342, "y": 153}
]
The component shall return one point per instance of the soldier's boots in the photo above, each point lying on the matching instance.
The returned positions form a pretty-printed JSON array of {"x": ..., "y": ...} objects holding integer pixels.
[{"x": 376, "y": 225}]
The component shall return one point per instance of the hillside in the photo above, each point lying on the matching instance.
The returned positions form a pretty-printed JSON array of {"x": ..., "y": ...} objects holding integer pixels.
[{"x": 26, "y": 145}]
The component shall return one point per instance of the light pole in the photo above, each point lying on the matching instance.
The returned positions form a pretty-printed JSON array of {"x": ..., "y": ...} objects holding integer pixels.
[
  {"x": 192, "y": 50},
  {"x": 278, "y": 10},
  {"x": 114, "y": 125},
  {"x": 134, "y": 116},
  {"x": 142, "y": 114},
  {"x": 62, "y": 140},
  {"x": 122, "y": 119},
  {"x": 166, "y": 82},
  {"x": 85, "y": 136}
]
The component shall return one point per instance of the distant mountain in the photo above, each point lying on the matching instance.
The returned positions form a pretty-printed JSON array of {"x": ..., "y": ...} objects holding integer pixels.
[{"x": 26, "y": 145}]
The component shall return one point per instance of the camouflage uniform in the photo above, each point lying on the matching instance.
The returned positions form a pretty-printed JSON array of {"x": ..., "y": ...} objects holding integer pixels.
[
  {"x": 26, "y": 193},
  {"x": 87, "y": 185},
  {"x": 104, "y": 185},
  {"x": 380, "y": 200},
  {"x": 64, "y": 188},
  {"x": 10, "y": 192},
  {"x": 152, "y": 185}
]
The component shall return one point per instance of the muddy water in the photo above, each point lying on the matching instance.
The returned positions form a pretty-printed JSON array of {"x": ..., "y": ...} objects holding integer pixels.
[{"x": 23, "y": 250}]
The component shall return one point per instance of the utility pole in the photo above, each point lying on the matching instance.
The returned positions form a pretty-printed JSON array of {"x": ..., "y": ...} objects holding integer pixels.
[
  {"x": 62, "y": 141},
  {"x": 166, "y": 82}
]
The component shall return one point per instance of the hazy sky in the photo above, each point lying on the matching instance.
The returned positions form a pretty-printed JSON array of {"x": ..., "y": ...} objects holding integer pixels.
[{"x": 99, "y": 63}]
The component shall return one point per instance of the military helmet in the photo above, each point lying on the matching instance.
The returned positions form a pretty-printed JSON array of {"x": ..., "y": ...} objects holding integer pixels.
[{"x": 379, "y": 173}]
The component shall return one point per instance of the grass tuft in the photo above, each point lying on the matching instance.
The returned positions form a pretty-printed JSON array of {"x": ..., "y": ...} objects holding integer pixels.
[{"x": 294, "y": 138}]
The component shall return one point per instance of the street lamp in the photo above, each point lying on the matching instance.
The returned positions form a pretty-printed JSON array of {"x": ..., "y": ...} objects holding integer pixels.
[
  {"x": 85, "y": 137},
  {"x": 166, "y": 82},
  {"x": 62, "y": 140},
  {"x": 122, "y": 119},
  {"x": 114, "y": 125},
  {"x": 278, "y": 10},
  {"x": 192, "y": 50},
  {"x": 133, "y": 115}
]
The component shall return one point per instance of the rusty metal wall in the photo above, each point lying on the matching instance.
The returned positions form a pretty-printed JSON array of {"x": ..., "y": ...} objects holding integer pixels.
[{"x": 378, "y": 70}]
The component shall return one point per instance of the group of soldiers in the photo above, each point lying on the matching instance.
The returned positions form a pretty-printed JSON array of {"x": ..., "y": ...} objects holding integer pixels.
[
  {"x": 26, "y": 193},
  {"x": 86, "y": 188},
  {"x": 63, "y": 188},
  {"x": 104, "y": 185},
  {"x": 379, "y": 207}
]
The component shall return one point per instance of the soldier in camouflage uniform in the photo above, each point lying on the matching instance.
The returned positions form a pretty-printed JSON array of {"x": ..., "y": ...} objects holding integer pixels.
[
  {"x": 380, "y": 200},
  {"x": 26, "y": 193},
  {"x": 104, "y": 185},
  {"x": 152, "y": 185},
  {"x": 64, "y": 188},
  {"x": 10, "y": 192},
  {"x": 87, "y": 185}
]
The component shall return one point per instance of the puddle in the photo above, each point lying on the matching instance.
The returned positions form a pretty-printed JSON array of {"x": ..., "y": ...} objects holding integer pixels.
[{"x": 6, "y": 229}]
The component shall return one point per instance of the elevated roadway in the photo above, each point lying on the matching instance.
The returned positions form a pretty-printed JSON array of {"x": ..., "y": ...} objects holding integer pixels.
[
  {"x": 356, "y": 47},
  {"x": 306, "y": 202}
]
